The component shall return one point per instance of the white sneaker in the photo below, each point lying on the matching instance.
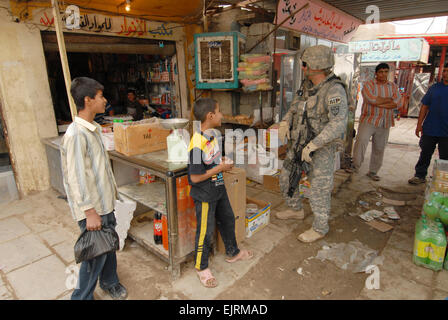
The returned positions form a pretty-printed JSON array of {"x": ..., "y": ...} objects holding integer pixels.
[{"x": 291, "y": 214}]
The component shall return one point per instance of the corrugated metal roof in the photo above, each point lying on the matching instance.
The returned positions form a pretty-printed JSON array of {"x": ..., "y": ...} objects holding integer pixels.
[{"x": 393, "y": 9}]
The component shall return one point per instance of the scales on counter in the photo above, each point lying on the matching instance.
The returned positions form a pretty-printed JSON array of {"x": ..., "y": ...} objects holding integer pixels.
[{"x": 177, "y": 142}]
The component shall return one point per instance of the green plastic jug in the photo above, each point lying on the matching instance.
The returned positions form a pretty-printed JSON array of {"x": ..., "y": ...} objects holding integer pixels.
[
  {"x": 438, "y": 248},
  {"x": 431, "y": 209}
]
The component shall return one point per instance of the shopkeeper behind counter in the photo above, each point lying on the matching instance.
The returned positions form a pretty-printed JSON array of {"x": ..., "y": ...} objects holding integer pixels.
[{"x": 133, "y": 106}]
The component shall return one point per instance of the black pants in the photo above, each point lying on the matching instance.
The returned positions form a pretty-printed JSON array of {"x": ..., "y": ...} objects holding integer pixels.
[
  {"x": 427, "y": 146},
  {"x": 207, "y": 214}
]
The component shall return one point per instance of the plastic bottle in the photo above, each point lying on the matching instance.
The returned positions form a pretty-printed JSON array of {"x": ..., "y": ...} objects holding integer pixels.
[
  {"x": 443, "y": 215},
  {"x": 158, "y": 228},
  {"x": 182, "y": 200},
  {"x": 431, "y": 209},
  {"x": 165, "y": 232},
  {"x": 423, "y": 220},
  {"x": 438, "y": 249},
  {"x": 437, "y": 197},
  {"x": 421, "y": 245},
  {"x": 445, "y": 201},
  {"x": 142, "y": 176}
]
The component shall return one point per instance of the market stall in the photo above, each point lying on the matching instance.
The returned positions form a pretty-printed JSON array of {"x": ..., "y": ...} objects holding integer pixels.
[{"x": 143, "y": 66}]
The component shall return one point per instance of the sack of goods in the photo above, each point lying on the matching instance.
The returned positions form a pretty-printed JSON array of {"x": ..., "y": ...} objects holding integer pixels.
[
  {"x": 92, "y": 244},
  {"x": 253, "y": 72},
  {"x": 430, "y": 235}
]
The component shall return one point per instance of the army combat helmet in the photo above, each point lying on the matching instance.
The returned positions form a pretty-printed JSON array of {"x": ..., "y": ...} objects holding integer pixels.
[{"x": 318, "y": 57}]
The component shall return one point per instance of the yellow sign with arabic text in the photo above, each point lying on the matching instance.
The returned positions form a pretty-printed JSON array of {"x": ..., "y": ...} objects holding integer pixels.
[{"x": 74, "y": 20}]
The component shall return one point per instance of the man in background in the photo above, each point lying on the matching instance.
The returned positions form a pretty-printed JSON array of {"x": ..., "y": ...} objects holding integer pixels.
[
  {"x": 432, "y": 127},
  {"x": 133, "y": 106},
  {"x": 380, "y": 98}
]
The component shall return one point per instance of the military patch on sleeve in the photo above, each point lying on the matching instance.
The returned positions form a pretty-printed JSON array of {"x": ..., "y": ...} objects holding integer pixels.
[
  {"x": 334, "y": 103},
  {"x": 335, "y": 100}
]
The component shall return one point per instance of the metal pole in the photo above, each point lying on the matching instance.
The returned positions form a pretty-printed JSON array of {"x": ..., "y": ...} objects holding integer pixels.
[
  {"x": 173, "y": 232},
  {"x": 63, "y": 54},
  {"x": 442, "y": 62}
]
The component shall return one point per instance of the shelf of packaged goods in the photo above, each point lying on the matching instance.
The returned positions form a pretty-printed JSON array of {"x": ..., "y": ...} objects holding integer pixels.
[
  {"x": 151, "y": 195},
  {"x": 143, "y": 234}
]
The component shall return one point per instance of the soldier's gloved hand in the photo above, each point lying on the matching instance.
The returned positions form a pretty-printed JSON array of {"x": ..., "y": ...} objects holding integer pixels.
[
  {"x": 310, "y": 147},
  {"x": 283, "y": 130}
]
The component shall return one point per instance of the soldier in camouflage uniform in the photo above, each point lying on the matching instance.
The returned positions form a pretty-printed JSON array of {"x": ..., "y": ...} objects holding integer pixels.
[{"x": 325, "y": 100}]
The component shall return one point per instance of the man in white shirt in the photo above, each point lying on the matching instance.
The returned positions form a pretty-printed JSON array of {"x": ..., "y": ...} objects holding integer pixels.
[{"x": 90, "y": 186}]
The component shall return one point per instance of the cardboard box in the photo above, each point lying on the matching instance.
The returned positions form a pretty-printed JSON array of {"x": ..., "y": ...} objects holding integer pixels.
[
  {"x": 235, "y": 182},
  {"x": 272, "y": 182},
  {"x": 257, "y": 221},
  {"x": 108, "y": 140},
  {"x": 140, "y": 137}
]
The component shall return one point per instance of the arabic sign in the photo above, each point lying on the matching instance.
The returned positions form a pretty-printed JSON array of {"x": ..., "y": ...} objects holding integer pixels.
[
  {"x": 117, "y": 25},
  {"x": 391, "y": 50},
  {"x": 320, "y": 21}
]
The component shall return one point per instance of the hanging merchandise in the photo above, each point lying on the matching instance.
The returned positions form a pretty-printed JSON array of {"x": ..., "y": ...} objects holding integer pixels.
[{"x": 253, "y": 72}]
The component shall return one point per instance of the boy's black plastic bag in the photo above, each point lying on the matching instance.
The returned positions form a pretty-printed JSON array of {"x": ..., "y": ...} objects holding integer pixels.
[{"x": 92, "y": 244}]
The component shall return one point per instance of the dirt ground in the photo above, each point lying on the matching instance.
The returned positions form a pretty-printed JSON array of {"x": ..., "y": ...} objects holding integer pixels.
[{"x": 276, "y": 276}]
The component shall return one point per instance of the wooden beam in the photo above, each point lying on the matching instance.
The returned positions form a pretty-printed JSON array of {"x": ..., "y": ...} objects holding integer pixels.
[
  {"x": 63, "y": 55},
  {"x": 246, "y": 2}
]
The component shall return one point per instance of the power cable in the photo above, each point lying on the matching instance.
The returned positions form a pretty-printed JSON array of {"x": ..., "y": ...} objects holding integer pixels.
[{"x": 432, "y": 22}]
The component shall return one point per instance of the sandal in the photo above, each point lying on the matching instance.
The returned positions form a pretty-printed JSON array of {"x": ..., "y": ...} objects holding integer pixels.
[
  {"x": 249, "y": 255},
  {"x": 206, "y": 278},
  {"x": 373, "y": 176}
]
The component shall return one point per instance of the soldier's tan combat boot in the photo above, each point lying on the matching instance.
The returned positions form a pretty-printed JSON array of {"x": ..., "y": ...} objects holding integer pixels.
[
  {"x": 291, "y": 214},
  {"x": 310, "y": 236}
]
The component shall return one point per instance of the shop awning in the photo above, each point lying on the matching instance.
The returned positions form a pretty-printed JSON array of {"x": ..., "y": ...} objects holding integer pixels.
[{"x": 393, "y": 10}]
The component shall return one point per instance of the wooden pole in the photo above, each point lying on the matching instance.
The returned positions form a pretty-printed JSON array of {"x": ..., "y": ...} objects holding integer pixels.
[
  {"x": 63, "y": 54},
  {"x": 205, "y": 17}
]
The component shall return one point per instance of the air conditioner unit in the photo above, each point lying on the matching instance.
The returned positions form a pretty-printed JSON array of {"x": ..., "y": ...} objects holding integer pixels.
[{"x": 216, "y": 56}]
